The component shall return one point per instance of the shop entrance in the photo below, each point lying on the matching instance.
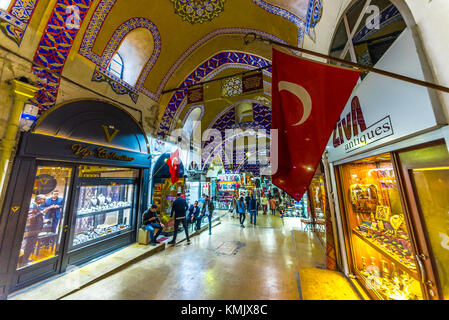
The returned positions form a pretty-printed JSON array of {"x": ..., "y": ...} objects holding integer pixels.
[
  {"x": 72, "y": 209},
  {"x": 77, "y": 182},
  {"x": 42, "y": 245}
]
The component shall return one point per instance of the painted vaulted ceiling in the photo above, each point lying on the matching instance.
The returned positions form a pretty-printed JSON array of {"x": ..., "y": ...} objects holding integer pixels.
[{"x": 186, "y": 41}]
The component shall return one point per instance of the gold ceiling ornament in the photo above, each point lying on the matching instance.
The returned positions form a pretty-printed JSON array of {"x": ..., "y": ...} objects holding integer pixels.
[{"x": 198, "y": 11}]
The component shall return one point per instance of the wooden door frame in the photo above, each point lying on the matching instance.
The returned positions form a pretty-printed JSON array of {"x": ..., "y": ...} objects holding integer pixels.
[
  {"x": 18, "y": 239},
  {"x": 347, "y": 232},
  {"x": 418, "y": 222}
]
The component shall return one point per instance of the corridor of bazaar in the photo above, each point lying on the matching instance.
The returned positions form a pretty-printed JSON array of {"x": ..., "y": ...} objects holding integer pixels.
[{"x": 224, "y": 150}]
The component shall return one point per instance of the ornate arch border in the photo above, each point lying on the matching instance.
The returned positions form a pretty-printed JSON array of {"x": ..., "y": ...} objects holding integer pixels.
[
  {"x": 208, "y": 77},
  {"x": 191, "y": 110},
  {"x": 101, "y": 11},
  {"x": 200, "y": 73},
  {"x": 15, "y": 20},
  {"x": 306, "y": 27},
  {"x": 104, "y": 7}
]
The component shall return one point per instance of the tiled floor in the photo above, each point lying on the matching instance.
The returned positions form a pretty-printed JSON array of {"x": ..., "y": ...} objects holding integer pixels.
[{"x": 256, "y": 262}]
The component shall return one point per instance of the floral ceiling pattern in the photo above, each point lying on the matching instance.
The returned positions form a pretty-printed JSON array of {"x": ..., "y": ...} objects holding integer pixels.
[{"x": 198, "y": 11}]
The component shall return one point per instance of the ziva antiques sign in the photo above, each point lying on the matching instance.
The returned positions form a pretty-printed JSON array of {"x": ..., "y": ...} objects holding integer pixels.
[{"x": 353, "y": 133}]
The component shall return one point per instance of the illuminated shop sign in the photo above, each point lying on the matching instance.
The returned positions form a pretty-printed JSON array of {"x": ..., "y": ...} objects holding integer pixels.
[
  {"x": 100, "y": 152},
  {"x": 353, "y": 133}
]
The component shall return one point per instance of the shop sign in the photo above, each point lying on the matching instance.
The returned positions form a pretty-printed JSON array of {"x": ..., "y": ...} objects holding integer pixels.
[
  {"x": 382, "y": 110},
  {"x": 353, "y": 133},
  {"x": 195, "y": 95},
  {"x": 252, "y": 82},
  {"x": 100, "y": 152}
]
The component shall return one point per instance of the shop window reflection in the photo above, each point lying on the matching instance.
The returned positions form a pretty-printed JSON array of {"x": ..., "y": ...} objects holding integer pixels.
[{"x": 43, "y": 231}]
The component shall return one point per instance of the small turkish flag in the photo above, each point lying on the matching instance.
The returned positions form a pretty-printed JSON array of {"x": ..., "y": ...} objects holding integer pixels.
[
  {"x": 173, "y": 166},
  {"x": 307, "y": 101}
]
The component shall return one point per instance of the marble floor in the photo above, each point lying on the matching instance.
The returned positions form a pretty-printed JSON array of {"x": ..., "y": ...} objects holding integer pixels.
[{"x": 266, "y": 262}]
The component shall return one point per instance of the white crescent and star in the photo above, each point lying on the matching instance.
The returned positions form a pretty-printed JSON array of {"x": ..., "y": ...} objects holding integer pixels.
[{"x": 302, "y": 95}]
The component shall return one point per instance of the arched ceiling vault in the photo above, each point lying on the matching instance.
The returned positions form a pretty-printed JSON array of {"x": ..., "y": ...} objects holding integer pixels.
[{"x": 76, "y": 39}]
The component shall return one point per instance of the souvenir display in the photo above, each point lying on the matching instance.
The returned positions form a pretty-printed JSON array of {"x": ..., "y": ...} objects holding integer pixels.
[
  {"x": 163, "y": 196},
  {"x": 379, "y": 230},
  {"x": 227, "y": 186}
]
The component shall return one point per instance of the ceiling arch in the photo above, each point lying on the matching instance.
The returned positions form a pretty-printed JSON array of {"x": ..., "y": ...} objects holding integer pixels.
[{"x": 200, "y": 73}]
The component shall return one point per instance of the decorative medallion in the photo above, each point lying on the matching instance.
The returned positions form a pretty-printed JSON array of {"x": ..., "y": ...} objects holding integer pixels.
[
  {"x": 232, "y": 87},
  {"x": 198, "y": 11}
]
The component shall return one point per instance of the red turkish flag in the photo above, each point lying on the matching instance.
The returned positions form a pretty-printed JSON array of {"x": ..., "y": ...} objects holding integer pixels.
[
  {"x": 307, "y": 101},
  {"x": 173, "y": 166}
]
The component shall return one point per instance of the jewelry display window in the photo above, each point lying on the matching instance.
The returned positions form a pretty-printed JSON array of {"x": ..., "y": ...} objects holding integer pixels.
[
  {"x": 105, "y": 203},
  {"x": 382, "y": 250}
]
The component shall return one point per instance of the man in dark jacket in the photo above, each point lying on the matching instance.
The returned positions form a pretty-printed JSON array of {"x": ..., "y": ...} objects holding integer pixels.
[
  {"x": 150, "y": 222},
  {"x": 179, "y": 208},
  {"x": 252, "y": 208},
  {"x": 208, "y": 210},
  {"x": 194, "y": 212}
]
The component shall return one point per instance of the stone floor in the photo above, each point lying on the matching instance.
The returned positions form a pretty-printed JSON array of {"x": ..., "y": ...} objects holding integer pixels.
[{"x": 273, "y": 260}]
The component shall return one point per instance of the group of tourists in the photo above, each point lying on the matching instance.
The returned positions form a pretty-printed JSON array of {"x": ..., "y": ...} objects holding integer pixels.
[
  {"x": 240, "y": 206},
  {"x": 182, "y": 214}
]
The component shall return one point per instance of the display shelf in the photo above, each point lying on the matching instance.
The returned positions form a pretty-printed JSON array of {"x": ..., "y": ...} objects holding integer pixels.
[
  {"x": 386, "y": 253},
  {"x": 88, "y": 214},
  {"x": 376, "y": 293}
]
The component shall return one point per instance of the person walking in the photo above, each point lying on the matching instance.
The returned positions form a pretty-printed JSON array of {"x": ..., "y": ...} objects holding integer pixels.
[
  {"x": 151, "y": 222},
  {"x": 279, "y": 204},
  {"x": 234, "y": 206},
  {"x": 179, "y": 209},
  {"x": 264, "y": 202},
  {"x": 208, "y": 210},
  {"x": 252, "y": 208},
  {"x": 241, "y": 209},
  {"x": 273, "y": 206},
  {"x": 194, "y": 212},
  {"x": 247, "y": 198}
]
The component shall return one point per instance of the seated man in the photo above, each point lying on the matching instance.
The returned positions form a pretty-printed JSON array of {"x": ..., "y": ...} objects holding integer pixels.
[{"x": 151, "y": 221}]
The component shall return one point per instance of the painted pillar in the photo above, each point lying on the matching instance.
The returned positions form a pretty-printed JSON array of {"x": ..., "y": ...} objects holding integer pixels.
[{"x": 22, "y": 93}]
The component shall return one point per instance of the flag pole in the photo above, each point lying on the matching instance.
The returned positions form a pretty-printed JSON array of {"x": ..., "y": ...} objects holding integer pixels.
[{"x": 250, "y": 37}]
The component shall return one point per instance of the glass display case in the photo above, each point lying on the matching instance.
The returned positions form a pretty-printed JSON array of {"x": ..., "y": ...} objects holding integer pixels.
[
  {"x": 104, "y": 205},
  {"x": 382, "y": 251}
]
